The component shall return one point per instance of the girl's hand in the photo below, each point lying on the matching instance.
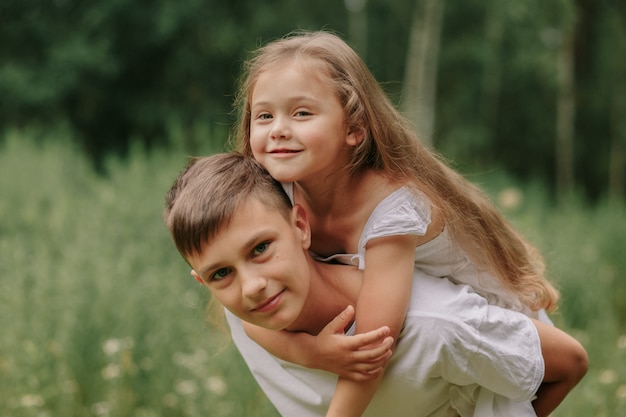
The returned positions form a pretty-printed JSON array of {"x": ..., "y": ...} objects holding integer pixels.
[{"x": 359, "y": 358}]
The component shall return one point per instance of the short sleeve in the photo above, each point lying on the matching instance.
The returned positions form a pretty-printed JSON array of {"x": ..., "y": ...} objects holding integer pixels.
[{"x": 404, "y": 212}]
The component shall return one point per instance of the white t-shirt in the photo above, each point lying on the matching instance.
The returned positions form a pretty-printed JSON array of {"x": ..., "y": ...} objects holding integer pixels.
[{"x": 456, "y": 355}]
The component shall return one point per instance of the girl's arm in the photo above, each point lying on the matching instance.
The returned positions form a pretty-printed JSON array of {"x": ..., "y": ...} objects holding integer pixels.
[
  {"x": 383, "y": 301},
  {"x": 566, "y": 363},
  {"x": 355, "y": 357}
]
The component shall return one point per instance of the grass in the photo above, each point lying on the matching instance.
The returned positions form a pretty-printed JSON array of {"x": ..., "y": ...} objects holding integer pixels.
[{"x": 100, "y": 317}]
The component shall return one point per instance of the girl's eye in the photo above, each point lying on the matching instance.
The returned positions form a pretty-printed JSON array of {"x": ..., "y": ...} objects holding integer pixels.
[
  {"x": 303, "y": 113},
  {"x": 264, "y": 116},
  {"x": 260, "y": 248},
  {"x": 220, "y": 274}
]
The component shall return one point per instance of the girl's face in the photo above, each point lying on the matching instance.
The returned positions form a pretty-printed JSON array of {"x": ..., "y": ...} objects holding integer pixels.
[{"x": 297, "y": 128}]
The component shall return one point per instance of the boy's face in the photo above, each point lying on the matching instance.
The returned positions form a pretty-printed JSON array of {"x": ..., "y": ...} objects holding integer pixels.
[{"x": 256, "y": 266}]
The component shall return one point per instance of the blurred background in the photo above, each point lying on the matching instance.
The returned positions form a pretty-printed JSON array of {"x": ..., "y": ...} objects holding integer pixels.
[{"x": 102, "y": 102}]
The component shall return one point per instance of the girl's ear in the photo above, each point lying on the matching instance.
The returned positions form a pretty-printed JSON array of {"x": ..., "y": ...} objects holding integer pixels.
[
  {"x": 355, "y": 136},
  {"x": 301, "y": 223},
  {"x": 197, "y": 277}
]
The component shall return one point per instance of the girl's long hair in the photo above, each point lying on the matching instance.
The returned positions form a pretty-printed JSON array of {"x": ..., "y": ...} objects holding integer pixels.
[{"x": 391, "y": 146}]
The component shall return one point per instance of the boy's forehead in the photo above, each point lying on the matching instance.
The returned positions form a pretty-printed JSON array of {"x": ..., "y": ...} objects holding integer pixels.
[
  {"x": 253, "y": 213},
  {"x": 250, "y": 223}
]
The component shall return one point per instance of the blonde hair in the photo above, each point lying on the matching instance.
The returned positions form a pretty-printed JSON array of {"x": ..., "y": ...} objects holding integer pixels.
[{"x": 391, "y": 146}]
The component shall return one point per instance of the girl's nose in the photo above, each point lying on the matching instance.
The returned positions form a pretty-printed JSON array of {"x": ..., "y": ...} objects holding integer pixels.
[{"x": 280, "y": 129}]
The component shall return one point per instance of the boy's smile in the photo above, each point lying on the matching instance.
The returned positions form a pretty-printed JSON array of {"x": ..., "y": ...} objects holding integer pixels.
[{"x": 255, "y": 266}]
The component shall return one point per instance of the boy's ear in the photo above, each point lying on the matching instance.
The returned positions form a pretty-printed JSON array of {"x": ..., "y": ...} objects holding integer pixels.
[
  {"x": 197, "y": 277},
  {"x": 301, "y": 222}
]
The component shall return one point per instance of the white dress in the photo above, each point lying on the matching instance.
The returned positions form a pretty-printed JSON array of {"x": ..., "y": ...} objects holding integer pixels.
[{"x": 407, "y": 212}]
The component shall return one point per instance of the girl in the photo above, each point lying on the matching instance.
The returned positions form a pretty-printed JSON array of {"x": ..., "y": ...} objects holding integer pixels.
[{"x": 315, "y": 117}]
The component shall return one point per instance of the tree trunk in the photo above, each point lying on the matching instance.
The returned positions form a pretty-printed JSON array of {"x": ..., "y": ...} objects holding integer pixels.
[
  {"x": 420, "y": 76},
  {"x": 492, "y": 70},
  {"x": 566, "y": 110},
  {"x": 357, "y": 25},
  {"x": 617, "y": 158}
]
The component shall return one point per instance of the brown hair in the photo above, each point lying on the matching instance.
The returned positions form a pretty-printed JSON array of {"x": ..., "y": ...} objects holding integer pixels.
[
  {"x": 203, "y": 198},
  {"x": 391, "y": 146}
]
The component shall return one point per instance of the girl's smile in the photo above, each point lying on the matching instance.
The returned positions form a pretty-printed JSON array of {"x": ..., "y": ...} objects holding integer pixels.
[{"x": 297, "y": 128}]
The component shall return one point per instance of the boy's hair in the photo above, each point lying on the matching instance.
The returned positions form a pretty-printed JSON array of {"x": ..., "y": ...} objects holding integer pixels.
[
  {"x": 202, "y": 200},
  {"x": 391, "y": 146}
]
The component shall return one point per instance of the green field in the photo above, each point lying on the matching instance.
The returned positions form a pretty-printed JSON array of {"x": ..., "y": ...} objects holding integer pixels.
[{"x": 100, "y": 316}]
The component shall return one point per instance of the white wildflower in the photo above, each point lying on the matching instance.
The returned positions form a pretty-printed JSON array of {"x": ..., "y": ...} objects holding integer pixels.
[
  {"x": 608, "y": 376},
  {"x": 188, "y": 387},
  {"x": 191, "y": 361},
  {"x": 114, "y": 346},
  {"x": 102, "y": 408},
  {"x": 216, "y": 385},
  {"x": 111, "y": 371},
  {"x": 31, "y": 400},
  {"x": 510, "y": 198}
]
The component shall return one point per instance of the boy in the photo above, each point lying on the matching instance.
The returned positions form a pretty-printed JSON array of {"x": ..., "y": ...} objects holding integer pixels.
[{"x": 457, "y": 355}]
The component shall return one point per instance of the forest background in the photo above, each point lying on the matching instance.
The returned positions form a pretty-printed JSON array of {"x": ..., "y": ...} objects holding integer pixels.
[{"x": 101, "y": 102}]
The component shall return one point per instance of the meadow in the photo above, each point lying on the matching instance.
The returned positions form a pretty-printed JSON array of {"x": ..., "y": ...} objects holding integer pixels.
[{"x": 100, "y": 316}]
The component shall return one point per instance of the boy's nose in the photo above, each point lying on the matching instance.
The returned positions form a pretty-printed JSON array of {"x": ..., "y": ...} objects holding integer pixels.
[{"x": 252, "y": 284}]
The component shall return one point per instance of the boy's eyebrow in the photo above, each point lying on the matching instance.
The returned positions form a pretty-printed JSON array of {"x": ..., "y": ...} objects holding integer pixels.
[{"x": 247, "y": 245}]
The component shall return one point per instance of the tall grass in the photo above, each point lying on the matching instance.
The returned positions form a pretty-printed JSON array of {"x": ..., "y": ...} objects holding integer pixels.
[
  {"x": 99, "y": 316},
  {"x": 585, "y": 254}
]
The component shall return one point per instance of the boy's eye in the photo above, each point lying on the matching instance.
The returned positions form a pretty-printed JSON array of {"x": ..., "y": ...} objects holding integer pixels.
[
  {"x": 303, "y": 113},
  {"x": 220, "y": 274},
  {"x": 260, "y": 248}
]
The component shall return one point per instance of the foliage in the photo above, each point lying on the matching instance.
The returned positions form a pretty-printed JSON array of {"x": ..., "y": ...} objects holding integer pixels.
[
  {"x": 118, "y": 71},
  {"x": 100, "y": 317}
]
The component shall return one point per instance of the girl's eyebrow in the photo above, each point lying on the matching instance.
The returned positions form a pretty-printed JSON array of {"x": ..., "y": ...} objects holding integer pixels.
[
  {"x": 248, "y": 244},
  {"x": 294, "y": 99}
]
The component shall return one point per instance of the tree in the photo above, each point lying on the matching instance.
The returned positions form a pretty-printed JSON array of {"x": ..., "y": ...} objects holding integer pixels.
[
  {"x": 566, "y": 107},
  {"x": 119, "y": 71},
  {"x": 616, "y": 40},
  {"x": 420, "y": 76},
  {"x": 491, "y": 77},
  {"x": 357, "y": 25}
]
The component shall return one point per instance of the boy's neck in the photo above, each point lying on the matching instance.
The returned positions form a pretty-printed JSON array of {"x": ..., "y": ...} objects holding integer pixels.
[{"x": 332, "y": 288}]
